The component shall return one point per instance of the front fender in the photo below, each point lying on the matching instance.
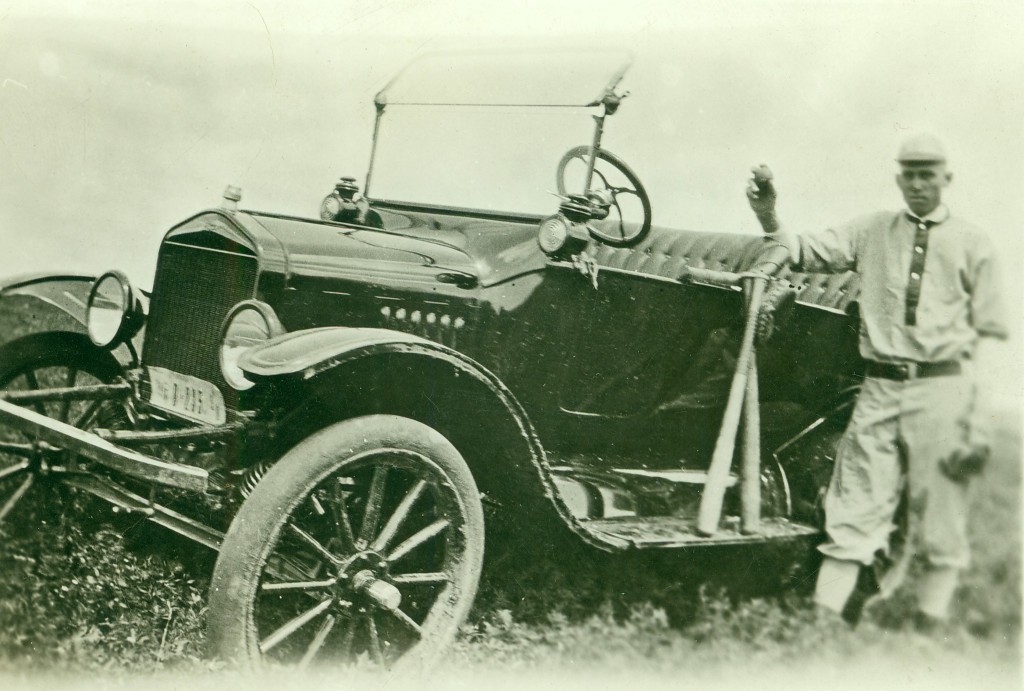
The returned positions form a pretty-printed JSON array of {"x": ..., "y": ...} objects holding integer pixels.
[
  {"x": 41, "y": 303},
  {"x": 357, "y": 371},
  {"x": 312, "y": 351},
  {"x": 66, "y": 293}
]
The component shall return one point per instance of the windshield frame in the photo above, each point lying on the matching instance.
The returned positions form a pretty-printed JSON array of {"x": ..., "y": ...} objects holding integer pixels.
[{"x": 606, "y": 99}]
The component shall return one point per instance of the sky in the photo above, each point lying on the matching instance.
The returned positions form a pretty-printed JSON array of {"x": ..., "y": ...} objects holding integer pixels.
[{"x": 119, "y": 119}]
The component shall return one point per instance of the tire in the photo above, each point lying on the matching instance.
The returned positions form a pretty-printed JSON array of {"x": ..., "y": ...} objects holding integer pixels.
[
  {"x": 303, "y": 573},
  {"x": 47, "y": 360}
]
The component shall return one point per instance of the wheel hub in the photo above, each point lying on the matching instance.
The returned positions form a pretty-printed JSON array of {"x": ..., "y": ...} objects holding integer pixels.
[
  {"x": 380, "y": 592},
  {"x": 363, "y": 575}
]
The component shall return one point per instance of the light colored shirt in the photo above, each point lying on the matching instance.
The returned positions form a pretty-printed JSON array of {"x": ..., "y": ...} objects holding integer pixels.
[{"x": 959, "y": 294}]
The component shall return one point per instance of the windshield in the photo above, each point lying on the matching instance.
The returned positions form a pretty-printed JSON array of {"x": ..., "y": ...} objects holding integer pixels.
[
  {"x": 502, "y": 161},
  {"x": 486, "y": 131}
]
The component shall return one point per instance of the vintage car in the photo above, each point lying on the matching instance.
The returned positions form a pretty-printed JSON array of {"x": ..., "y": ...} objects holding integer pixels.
[{"x": 354, "y": 400}]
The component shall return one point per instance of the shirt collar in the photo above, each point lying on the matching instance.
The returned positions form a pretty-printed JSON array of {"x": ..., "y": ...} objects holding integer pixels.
[{"x": 938, "y": 215}]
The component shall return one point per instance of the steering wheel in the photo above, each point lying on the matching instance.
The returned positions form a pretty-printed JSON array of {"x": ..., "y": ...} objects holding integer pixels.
[{"x": 627, "y": 198}]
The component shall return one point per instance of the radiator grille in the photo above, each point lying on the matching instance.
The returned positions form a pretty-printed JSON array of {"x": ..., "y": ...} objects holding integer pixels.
[{"x": 192, "y": 293}]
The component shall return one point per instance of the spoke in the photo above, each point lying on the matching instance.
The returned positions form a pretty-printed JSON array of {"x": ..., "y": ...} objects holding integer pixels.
[
  {"x": 407, "y": 620},
  {"x": 15, "y": 468},
  {"x": 18, "y": 494},
  {"x": 375, "y": 648},
  {"x": 300, "y": 585},
  {"x": 282, "y": 567},
  {"x": 618, "y": 210},
  {"x": 33, "y": 383},
  {"x": 17, "y": 449},
  {"x": 317, "y": 570},
  {"x": 398, "y": 517},
  {"x": 85, "y": 418},
  {"x": 65, "y": 406},
  {"x": 373, "y": 502},
  {"x": 425, "y": 577},
  {"x": 317, "y": 506},
  {"x": 341, "y": 522},
  {"x": 294, "y": 625},
  {"x": 346, "y": 641},
  {"x": 418, "y": 539},
  {"x": 318, "y": 641},
  {"x": 312, "y": 542}
]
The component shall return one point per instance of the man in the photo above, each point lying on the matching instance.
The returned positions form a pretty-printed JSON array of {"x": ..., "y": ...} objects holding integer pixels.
[{"x": 929, "y": 303}]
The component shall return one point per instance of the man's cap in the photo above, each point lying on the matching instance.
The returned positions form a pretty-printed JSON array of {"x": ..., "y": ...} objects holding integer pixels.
[{"x": 922, "y": 148}]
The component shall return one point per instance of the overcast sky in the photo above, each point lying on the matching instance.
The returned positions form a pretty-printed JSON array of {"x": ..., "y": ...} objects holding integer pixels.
[{"x": 118, "y": 119}]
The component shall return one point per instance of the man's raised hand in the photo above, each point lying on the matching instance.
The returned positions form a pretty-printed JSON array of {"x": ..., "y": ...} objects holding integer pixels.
[{"x": 761, "y": 195}]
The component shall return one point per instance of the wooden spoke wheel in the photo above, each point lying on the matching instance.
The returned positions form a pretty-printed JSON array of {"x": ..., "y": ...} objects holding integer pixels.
[
  {"x": 48, "y": 361},
  {"x": 364, "y": 543}
]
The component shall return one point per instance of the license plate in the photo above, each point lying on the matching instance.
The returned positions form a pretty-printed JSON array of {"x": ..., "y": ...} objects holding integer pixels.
[{"x": 190, "y": 397}]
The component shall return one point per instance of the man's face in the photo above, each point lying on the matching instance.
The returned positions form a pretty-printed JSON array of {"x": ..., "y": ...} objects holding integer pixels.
[{"x": 921, "y": 184}]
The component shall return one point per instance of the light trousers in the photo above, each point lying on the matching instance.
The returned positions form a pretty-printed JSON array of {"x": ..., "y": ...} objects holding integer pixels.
[{"x": 899, "y": 432}]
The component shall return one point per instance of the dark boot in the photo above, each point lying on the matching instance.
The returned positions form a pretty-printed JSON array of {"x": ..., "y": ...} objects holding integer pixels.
[{"x": 866, "y": 588}]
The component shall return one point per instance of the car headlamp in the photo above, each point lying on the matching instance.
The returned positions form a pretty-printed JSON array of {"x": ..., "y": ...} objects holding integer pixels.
[
  {"x": 559, "y": 238},
  {"x": 331, "y": 207},
  {"x": 113, "y": 310},
  {"x": 248, "y": 324},
  {"x": 553, "y": 233}
]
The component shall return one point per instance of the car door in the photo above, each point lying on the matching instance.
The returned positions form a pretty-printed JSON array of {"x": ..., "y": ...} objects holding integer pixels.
[{"x": 631, "y": 341}]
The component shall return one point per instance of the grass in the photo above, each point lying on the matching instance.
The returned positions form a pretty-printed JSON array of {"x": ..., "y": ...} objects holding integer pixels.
[{"x": 90, "y": 595}]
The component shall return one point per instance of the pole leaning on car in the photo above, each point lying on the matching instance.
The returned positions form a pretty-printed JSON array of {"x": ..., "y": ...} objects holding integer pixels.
[{"x": 712, "y": 497}]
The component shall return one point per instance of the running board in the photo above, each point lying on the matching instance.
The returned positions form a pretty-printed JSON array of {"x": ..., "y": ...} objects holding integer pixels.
[
  {"x": 647, "y": 532},
  {"x": 679, "y": 477},
  {"x": 619, "y": 475},
  {"x": 64, "y": 436}
]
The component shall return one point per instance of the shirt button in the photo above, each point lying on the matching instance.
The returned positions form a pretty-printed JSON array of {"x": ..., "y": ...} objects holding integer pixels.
[
  {"x": 922, "y": 226},
  {"x": 915, "y": 276},
  {"x": 919, "y": 249}
]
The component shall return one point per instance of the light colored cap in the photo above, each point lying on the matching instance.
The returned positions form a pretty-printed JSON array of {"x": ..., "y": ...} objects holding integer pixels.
[{"x": 922, "y": 148}]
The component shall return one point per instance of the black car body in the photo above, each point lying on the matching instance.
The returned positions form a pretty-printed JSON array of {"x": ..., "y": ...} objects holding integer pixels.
[{"x": 582, "y": 389}]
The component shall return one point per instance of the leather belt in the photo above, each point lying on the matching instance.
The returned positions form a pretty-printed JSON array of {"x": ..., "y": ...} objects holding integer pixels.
[{"x": 903, "y": 371}]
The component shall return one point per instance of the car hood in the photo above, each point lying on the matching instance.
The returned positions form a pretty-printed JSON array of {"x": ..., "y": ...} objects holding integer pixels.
[{"x": 464, "y": 252}]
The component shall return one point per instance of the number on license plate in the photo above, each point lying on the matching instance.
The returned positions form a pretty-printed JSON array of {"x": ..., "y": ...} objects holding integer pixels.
[{"x": 187, "y": 396}]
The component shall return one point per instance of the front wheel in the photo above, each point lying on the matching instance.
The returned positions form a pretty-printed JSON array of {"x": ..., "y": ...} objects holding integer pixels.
[
  {"x": 364, "y": 543},
  {"x": 50, "y": 360}
]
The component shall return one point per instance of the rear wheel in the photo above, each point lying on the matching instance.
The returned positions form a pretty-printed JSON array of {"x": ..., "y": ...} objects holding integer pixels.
[
  {"x": 364, "y": 543},
  {"x": 44, "y": 361}
]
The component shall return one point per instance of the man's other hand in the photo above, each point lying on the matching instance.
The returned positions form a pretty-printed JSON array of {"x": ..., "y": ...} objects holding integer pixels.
[{"x": 965, "y": 462}]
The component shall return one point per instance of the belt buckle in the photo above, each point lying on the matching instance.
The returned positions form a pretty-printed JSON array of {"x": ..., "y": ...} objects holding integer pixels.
[{"x": 910, "y": 370}]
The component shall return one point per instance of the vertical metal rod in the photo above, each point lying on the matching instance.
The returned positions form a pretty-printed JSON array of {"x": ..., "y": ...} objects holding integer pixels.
[
  {"x": 595, "y": 145},
  {"x": 373, "y": 148}
]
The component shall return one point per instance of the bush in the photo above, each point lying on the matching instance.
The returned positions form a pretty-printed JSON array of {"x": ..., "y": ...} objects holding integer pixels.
[{"x": 72, "y": 594}]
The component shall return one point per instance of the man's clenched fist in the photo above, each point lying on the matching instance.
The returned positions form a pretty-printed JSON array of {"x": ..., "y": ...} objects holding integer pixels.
[{"x": 761, "y": 194}]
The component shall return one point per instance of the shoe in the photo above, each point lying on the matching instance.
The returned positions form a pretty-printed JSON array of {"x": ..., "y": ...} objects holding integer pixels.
[{"x": 865, "y": 592}]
